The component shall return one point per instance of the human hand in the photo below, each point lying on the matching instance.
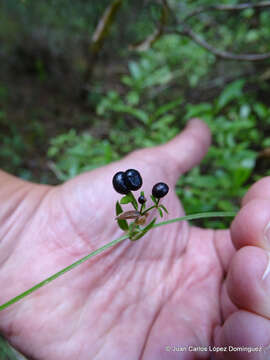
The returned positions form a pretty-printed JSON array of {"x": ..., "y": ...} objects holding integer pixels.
[
  {"x": 132, "y": 300},
  {"x": 245, "y": 296}
]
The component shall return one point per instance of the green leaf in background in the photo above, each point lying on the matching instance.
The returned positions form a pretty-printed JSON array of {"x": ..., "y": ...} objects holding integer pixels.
[
  {"x": 230, "y": 93},
  {"x": 133, "y": 98},
  {"x": 137, "y": 99},
  {"x": 164, "y": 109},
  {"x": 7, "y": 352},
  {"x": 163, "y": 123},
  {"x": 134, "y": 69}
]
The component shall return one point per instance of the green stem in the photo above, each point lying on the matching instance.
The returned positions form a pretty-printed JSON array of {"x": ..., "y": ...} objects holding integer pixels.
[
  {"x": 112, "y": 243},
  {"x": 146, "y": 211},
  {"x": 152, "y": 207},
  {"x": 61, "y": 272},
  {"x": 198, "y": 216}
]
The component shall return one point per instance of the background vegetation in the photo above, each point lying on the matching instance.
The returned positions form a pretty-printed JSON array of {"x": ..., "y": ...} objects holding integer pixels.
[
  {"x": 79, "y": 90},
  {"x": 82, "y": 83}
]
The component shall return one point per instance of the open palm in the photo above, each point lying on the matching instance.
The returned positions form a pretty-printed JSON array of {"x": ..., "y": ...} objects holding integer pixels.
[{"x": 134, "y": 300}]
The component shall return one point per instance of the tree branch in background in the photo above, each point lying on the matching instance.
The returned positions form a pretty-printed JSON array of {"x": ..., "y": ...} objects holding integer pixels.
[
  {"x": 188, "y": 32},
  {"x": 220, "y": 53},
  {"x": 99, "y": 36},
  {"x": 152, "y": 38},
  {"x": 238, "y": 7}
]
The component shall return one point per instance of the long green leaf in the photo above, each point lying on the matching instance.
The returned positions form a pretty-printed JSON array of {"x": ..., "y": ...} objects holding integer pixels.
[
  {"x": 61, "y": 272},
  {"x": 112, "y": 243}
]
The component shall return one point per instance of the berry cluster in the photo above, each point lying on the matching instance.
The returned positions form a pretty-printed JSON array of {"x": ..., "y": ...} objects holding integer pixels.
[
  {"x": 126, "y": 182},
  {"x": 131, "y": 180}
]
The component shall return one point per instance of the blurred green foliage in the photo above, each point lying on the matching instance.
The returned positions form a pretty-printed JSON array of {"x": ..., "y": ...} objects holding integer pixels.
[
  {"x": 136, "y": 99},
  {"x": 226, "y": 172},
  {"x": 7, "y": 352}
]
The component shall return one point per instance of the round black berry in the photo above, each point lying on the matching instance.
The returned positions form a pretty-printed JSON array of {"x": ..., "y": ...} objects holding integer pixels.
[
  {"x": 119, "y": 183},
  {"x": 141, "y": 199},
  {"x": 160, "y": 190},
  {"x": 133, "y": 179}
]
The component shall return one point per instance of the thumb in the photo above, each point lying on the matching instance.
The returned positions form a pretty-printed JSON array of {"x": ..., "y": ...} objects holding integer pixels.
[{"x": 187, "y": 149}]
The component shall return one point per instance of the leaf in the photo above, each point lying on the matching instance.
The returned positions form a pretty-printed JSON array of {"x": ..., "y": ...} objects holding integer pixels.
[
  {"x": 167, "y": 107},
  {"x": 7, "y": 352},
  {"x": 201, "y": 109},
  {"x": 134, "y": 69},
  {"x": 160, "y": 212},
  {"x": 118, "y": 208},
  {"x": 154, "y": 199},
  {"x": 133, "y": 98},
  {"x": 163, "y": 123},
  {"x": 231, "y": 92},
  {"x": 133, "y": 201},
  {"x": 129, "y": 198},
  {"x": 225, "y": 205},
  {"x": 125, "y": 199},
  {"x": 126, "y": 109},
  {"x": 122, "y": 224},
  {"x": 143, "y": 207},
  {"x": 164, "y": 208}
]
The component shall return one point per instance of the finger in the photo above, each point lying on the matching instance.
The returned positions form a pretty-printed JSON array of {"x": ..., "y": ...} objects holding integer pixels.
[
  {"x": 243, "y": 336},
  {"x": 226, "y": 304},
  {"x": 251, "y": 226},
  {"x": 248, "y": 280},
  {"x": 224, "y": 247},
  {"x": 260, "y": 190},
  {"x": 181, "y": 153},
  {"x": 188, "y": 148}
]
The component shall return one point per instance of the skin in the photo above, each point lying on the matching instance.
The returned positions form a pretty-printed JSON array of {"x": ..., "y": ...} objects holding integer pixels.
[{"x": 179, "y": 285}]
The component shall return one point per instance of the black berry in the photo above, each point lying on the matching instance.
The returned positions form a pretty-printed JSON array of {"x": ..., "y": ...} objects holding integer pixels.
[
  {"x": 133, "y": 179},
  {"x": 119, "y": 183},
  {"x": 160, "y": 190},
  {"x": 141, "y": 199}
]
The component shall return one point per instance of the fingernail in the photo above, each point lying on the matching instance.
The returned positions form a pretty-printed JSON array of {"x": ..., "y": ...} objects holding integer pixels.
[{"x": 267, "y": 269}]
